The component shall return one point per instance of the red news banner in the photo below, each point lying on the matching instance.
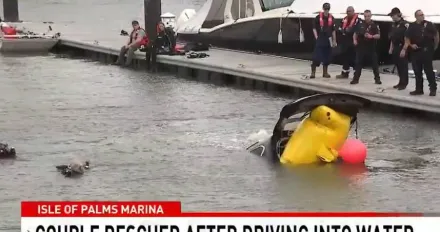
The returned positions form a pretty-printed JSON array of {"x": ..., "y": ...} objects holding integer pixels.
[
  {"x": 97, "y": 216},
  {"x": 100, "y": 209}
]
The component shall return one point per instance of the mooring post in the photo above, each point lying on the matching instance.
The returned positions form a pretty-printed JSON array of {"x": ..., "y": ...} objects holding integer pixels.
[
  {"x": 152, "y": 12},
  {"x": 10, "y": 10}
]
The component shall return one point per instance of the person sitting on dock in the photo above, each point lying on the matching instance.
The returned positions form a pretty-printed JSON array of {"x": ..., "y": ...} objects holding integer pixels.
[
  {"x": 165, "y": 41},
  {"x": 138, "y": 38},
  {"x": 163, "y": 44},
  {"x": 325, "y": 35}
]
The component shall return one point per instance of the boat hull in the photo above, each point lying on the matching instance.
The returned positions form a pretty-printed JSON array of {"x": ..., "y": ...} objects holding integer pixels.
[
  {"x": 262, "y": 35},
  {"x": 33, "y": 45}
]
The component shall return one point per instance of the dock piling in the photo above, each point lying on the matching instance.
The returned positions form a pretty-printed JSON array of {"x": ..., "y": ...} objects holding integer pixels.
[
  {"x": 10, "y": 10},
  {"x": 152, "y": 12}
]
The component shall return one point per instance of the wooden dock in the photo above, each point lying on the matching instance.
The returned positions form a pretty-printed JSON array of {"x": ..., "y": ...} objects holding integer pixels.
[{"x": 269, "y": 72}]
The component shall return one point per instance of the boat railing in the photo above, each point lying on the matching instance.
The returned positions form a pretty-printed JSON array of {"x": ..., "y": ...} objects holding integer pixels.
[{"x": 28, "y": 36}]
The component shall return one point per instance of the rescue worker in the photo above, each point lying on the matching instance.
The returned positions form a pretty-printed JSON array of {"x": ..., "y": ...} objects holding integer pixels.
[
  {"x": 348, "y": 54},
  {"x": 138, "y": 38},
  {"x": 365, "y": 39},
  {"x": 422, "y": 39},
  {"x": 325, "y": 35},
  {"x": 397, "y": 37}
]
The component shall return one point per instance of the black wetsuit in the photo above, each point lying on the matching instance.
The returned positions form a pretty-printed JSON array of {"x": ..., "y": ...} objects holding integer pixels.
[
  {"x": 366, "y": 48},
  {"x": 397, "y": 37},
  {"x": 423, "y": 34}
]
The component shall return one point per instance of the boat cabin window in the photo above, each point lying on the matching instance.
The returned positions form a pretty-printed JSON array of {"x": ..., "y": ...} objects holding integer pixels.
[
  {"x": 274, "y": 4},
  {"x": 242, "y": 9}
]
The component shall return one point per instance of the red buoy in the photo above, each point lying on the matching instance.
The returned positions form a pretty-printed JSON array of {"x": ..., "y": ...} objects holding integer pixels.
[{"x": 353, "y": 151}]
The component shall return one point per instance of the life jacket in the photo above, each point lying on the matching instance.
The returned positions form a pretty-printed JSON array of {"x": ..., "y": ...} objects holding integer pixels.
[
  {"x": 345, "y": 23},
  {"x": 144, "y": 41},
  {"x": 321, "y": 19}
]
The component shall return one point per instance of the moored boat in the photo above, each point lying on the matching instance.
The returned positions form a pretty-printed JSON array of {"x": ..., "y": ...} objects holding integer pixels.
[
  {"x": 284, "y": 27},
  {"x": 27, "y": 42}
]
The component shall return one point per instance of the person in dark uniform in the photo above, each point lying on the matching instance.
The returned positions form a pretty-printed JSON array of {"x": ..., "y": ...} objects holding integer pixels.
[
  {"x": 348, "y": 26},
  {"x": 397, "y": 37},
  {"x": 422, "y": 38},
  {"x": 164, "y": 43},
  {"x": 365, "y": 39},
  {"x": 325, "y": 35}
]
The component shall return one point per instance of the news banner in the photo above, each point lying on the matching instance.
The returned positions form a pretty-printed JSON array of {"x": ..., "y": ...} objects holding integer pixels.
[{"x": 96, "y": 216}]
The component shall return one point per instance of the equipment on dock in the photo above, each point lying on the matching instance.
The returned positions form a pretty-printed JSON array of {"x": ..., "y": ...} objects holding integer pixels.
[
  {"x": 317, "y": 135},
  {"x": 7, "y": 152}
]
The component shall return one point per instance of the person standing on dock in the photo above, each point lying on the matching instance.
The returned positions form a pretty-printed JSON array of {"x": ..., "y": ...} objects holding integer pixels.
[
  {"x": 325, "y": 35},
  {"x": 422, "y": 38},
  {"x": 348, "y": 53},
  {"x": 365, "y": 39},
  {"x": 138, "y": 38},
  {"x": 397, "y": 37}
]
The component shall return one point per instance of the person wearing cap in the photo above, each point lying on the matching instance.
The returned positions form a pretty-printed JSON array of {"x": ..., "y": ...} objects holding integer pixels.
[
  {"x": 325, "y": 35},
  {"x": 365, "y": 39},
  {"x": 138, "y": 38},
  {"x": 348, "y": 53},
  {"x": 397, "y": 37},
  {"x": 422, "y": 39}
]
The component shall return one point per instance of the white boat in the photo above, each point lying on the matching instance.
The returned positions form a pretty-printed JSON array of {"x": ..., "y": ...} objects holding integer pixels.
[
  {"x": 28, "y": 42},
  {"x": 24, "y": 44},
  {"x": 284, "y": 27}
]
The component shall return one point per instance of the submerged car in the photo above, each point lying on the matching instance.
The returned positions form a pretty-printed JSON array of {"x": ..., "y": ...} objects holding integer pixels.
[{"x": 311, "y": 129}]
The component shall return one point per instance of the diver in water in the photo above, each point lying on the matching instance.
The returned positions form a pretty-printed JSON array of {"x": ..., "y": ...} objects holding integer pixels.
[
  {"x": 73, "y": 168},
  {"x": 86, "y": 165},
  {"x": 6, "y": 151}
]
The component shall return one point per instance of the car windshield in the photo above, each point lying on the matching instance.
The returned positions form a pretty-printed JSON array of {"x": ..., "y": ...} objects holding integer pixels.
[{"x": 274, "y": 4}]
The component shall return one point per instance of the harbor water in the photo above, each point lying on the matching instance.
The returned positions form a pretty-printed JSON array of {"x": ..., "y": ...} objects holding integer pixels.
[{"x": 158, "y": 137}]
